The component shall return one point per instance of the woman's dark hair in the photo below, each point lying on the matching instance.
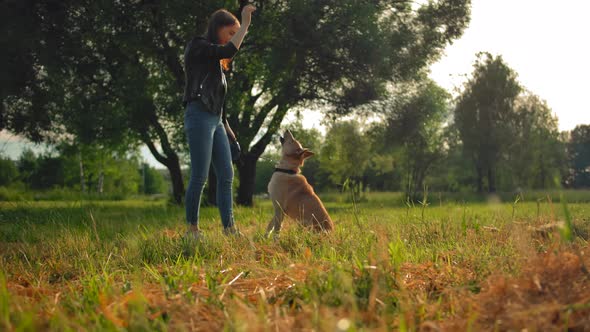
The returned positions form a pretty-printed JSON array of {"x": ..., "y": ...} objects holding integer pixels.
[{"x": 219, "y": 19}]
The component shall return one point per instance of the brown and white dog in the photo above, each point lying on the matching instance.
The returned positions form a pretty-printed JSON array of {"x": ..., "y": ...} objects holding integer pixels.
[{"x": 290, "y": 193}]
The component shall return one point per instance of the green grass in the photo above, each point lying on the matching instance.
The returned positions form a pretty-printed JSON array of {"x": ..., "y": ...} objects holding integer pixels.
[{"x": 102, "y": 265}]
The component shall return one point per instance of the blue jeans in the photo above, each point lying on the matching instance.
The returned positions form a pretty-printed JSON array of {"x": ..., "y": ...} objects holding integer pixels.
[{"x": 208, "y": 144}]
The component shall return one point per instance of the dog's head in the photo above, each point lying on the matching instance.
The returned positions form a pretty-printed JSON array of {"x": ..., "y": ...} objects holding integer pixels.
[{"x": 294, "y": 154}]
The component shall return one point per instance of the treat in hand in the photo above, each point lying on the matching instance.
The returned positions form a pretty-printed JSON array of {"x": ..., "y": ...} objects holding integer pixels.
[{"x": 247, "y": 13}]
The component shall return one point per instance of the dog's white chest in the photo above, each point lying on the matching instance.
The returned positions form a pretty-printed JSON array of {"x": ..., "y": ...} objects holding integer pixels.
[{"x": 277, "y": 184}]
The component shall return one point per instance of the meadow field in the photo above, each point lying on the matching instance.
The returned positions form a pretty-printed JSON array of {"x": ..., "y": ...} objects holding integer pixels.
[{"x": 450, "y": 264}]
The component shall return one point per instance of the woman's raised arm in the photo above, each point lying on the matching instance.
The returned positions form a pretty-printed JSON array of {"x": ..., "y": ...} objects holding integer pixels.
[
  {"x": 246, "y": 19},
  {"x": 207, "y": 49}
]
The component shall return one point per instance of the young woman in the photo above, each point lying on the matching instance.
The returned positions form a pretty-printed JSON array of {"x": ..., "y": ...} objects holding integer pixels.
[{"x": 207, "y": 131}]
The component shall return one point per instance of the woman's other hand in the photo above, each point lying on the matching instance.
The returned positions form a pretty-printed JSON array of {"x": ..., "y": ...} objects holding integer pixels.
[{"x": 247, "y": 14}]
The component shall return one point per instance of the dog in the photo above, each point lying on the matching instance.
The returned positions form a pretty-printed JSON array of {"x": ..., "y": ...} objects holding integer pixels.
[{"x": 291, "y": 194}]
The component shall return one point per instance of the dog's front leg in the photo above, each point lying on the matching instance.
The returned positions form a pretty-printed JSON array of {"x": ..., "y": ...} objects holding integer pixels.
[{"x": 274, "y": 226}]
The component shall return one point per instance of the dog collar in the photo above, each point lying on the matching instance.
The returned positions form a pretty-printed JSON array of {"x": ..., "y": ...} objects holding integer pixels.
[{"x": 288, "y": 171}]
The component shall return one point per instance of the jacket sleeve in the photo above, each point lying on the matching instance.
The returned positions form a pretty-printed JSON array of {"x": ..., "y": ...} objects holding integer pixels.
[{"x": 203, "y": 48}]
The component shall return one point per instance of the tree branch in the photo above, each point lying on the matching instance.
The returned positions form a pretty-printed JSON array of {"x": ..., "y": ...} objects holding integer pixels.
[
  {"x": 167, "y": 54},
  {"x": 264, "y": 111},
  {"x": 260, "y": 146},
  {"x": 163, "y": 137},
  {"x": 159, "y": 157}
]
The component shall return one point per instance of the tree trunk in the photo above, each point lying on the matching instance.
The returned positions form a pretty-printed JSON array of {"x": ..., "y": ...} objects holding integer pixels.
[
  {"x": 420, "y": 181},
  {"x": 82, "y": 180},
  {"x": 247, "y": 172},
  {"x": 409, "y": 185},
  {"x": 542, "y": 172},
  {"x": 491, "y": 180},
  {"x": 170, "y": 160},
  {"x": 100, "y": 185},
  {"x": 479, "y": 179},
  {"x": 173, "y": 166},
  {"x": 144, "y": 189}
]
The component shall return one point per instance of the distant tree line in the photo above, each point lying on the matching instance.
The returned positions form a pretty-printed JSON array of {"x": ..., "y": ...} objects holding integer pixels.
[
  {"x": 374, "y": 165},
  {"x": 494, "y": 136},
  {"x": 89, "y": 170},
  {"x": 362, "y": 155}
]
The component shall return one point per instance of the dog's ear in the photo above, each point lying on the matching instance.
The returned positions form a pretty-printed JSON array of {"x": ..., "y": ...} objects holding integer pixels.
[
  {"x": 282, "y": 139},
  {"x": 306, "y": 154}
]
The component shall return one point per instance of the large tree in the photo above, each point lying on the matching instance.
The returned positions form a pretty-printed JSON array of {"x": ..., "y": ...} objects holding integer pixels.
[
  {"x": 485, "y": 113},
  {"x": 111, "y": 72},
  {"x": 414, "y": 127}
]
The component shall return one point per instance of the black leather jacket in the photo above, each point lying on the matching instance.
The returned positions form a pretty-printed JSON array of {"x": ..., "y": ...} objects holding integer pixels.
[{"x": 204, "y": 76}]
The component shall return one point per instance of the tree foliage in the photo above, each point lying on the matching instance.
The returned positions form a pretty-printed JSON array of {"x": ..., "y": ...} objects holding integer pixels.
[
  {"x": 111, "y": 72},
  {"x": 8, "y": 171},
  {"x": 414, "y": 129},
  {"x": 345, "y": 153},
  {"x": 485, "y": 113},
  {"x": 535, "y": 156}
]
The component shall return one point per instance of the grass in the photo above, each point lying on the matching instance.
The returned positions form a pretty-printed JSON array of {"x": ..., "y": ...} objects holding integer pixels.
[{"x": 441, "y": 265}]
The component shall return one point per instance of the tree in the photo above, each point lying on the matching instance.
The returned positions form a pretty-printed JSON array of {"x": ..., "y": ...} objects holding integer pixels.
[
  {"x": 49, "y": 173},
  {"x": 579, "y": 156},
  {"x": 484, "y": 115},
  {"x": 345, "y": 154},
  {"x": 8, "y": 171},
  {"x": 111, "y": 72},
  {"x": 535, "y": 156},
  {"x": 382, "y": 171},
  {"x": 40, "y": 172},
  {"x": 99, "y": 169},
  {"x": 454, "y": 172},
  {"x": 27, "y": 166},
  {"x": 414, "y": 126},
  {"x": 334, "y": 54},
  {"x": 152, "y": 181}
]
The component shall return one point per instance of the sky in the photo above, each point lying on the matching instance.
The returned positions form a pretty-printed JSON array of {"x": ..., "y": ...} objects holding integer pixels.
[{"x": 545, "y": 42}]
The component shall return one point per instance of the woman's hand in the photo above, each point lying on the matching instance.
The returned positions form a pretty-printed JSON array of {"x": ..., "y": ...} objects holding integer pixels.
[
  {"x": 247, "y": 14},
  {"x": 229, "y": 132}
]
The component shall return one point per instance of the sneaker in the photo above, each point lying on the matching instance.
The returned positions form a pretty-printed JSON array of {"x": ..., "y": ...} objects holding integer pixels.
[
  {"x": 232, "y": 231},
  {"x": 193, "y": 236},
  {"x": 193, "y": 233}
]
